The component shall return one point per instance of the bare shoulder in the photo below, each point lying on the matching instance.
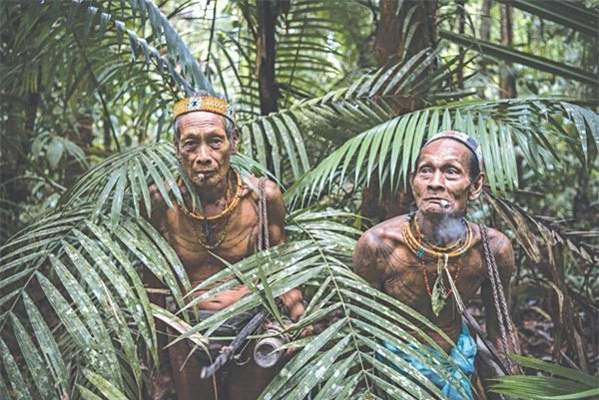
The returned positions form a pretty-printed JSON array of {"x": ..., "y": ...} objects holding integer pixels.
[
  {"x": 384, "y": 234},
  {"x": 389, "y": 229},
  {"x": 501, "y": 248},
  {"x": 157, "y": 203},
  {"x": 155, "y": 195},
  {"x": 271, "y": 190},
  {"x": 498, "y": 241}
]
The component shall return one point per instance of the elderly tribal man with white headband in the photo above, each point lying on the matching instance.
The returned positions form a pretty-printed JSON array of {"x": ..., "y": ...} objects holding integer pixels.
[
  {"x": 412, "y": 257},
  {"x": 237, "y": 218}
]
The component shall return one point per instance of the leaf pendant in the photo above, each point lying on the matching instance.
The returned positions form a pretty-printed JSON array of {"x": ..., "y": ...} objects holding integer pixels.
[{"x": 438, "y": 296}]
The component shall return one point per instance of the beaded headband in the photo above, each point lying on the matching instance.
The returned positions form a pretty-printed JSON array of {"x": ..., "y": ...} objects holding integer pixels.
[
  {"x": 204, "y": 103},
  {"x": 471, "y": 143}
]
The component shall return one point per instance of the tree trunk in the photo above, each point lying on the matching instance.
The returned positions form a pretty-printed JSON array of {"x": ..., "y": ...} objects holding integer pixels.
[
  {"x": 485, "y": 21},
  {"x": 391, "y": 43},
  {"x": 461, "y": 28},
  {"x": 267, "y": 14},
  {"x": 507, "y": 78},
  {"x": 485, "y": 34},
  {"x": 265, "y": 55}
]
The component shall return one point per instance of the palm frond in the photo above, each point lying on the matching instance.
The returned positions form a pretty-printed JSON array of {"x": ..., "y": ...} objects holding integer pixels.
[
  {"x": 341, "y": 114},
  {"x": 573, "y": 14},
  {"x": 520, "y": 57},
  {"x": 564, "y": 384},
  {"x": 542, "y": 244},
  {"x": 161, "y": 29},
  {"x": 78, "y": 265},
  {"x": 528, "y": 229},
  {"x": 391, "y": 148},
  {"x": 73, "y": 298},
  {"x": 79, "y": 17},
  {"x": 319, "y": 260},
  {"x": 102, "y": 385}
]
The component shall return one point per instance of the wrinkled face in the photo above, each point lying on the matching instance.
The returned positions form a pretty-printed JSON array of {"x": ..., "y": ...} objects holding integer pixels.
[
  {"x": 204, "y": 149},
  {"x": 441, "y": 182}
]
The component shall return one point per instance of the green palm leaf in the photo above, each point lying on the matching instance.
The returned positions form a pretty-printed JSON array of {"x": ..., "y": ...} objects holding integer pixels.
[
  {"x": 161, "y": 29},
  {"x": 576, "y": 385},
  {"x": 511, "y": 55},
  {"x": 573, "y": 14},
  {"x": 322, "y": 261},
  {"x": 104, "y": 386},
  {"x": 341, "y": 114},
  {"x": 99, "y": 307},
  {"x": 497, "y": 125}
]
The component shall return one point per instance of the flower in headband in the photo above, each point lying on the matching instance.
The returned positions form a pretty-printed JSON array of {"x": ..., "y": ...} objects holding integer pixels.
[
  {"x": 471, "y": 143},
  {"x": 204, "y": 103}
]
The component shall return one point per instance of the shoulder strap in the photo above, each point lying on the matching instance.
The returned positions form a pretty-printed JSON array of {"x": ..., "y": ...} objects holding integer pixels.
[
  {"x": 503, "y": 314},
  {"x": 263, "y": 234}
]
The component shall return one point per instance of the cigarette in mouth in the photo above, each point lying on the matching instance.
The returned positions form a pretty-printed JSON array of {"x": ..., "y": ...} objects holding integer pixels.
[
  {"x": 201, "y": 177},
  {"x": 444, "y": 203}
]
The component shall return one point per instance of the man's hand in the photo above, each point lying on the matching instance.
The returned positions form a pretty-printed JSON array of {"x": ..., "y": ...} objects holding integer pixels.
[{"x": 294, "y": 303}]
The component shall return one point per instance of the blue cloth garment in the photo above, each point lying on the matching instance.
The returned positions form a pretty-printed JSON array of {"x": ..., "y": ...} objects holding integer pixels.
[{"x": 462, "y": 355}]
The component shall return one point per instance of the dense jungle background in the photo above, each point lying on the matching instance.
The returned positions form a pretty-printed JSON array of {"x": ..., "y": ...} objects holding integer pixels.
[{"x": 334, "y": 99}]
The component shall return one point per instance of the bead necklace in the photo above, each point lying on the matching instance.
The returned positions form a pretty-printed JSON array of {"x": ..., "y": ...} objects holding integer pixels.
[
  {"x": 422, "y": 250},
  {"x": 209, "y": 246},
  {"x": 229, "y": 208},
  {"x": 421, "y": 238},
  {"x": 426, "y": 281}
]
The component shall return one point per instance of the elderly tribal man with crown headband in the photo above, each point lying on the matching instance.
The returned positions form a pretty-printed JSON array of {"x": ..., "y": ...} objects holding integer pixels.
[
  {"x": 226, "y": 226},
  {"x": 412, "y": 257}
]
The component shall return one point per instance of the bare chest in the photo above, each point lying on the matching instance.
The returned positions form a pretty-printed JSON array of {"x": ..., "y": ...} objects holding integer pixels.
[
  {"x": 412, "y": 280},
  {"x": 200, "y": 244}
]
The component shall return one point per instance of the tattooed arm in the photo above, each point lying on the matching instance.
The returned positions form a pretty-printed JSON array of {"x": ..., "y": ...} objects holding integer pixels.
[{"x": 368, "y": 259}]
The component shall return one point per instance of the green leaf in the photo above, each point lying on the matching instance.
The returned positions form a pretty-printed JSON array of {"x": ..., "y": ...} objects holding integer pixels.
[
  {"x": 91, "y": 316},
  {"x": 48, "y": 345},
  {"x": 299, "y": 360},
  {"x": 115, "y": 320},
  {"x": 105, "y": 386},
  {"x": 509, "y": 54},
  {"x": 33, "y": 359},
  {"x": 17, "y": 382},
  {"x": 54, "y": 152}
]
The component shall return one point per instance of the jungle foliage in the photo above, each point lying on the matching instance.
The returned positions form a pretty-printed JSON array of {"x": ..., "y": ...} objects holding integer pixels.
[{"x": 87, "y": 88}]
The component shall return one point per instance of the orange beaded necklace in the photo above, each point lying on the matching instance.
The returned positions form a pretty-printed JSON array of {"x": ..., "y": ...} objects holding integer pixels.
[
  {"x": 228, "y": 209},
  {"x": 416, "y": 243},
  {"x": 230, "y": 206}
]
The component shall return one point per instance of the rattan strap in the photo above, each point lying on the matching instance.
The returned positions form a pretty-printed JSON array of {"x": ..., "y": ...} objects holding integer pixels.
[
  {"x": 503, "y": 314},
  {"x": 263, "y": 234}
]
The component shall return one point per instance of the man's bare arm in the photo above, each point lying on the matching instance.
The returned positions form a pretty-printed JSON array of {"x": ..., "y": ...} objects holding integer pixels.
[
  {"x": 367, "y": 259},
  {"x": 276, "y": 213},
  {"x": 504, "y": 257}
]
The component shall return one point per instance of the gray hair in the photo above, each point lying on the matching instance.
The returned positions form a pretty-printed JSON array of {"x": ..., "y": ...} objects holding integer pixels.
[{"x": 229, "y": 125}]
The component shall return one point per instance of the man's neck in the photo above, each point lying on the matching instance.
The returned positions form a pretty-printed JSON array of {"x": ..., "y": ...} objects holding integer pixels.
[
  {"x": 212, "y": 194},
  {"x": 209, "y": 195},
  {"x": 441, "y": 229}
]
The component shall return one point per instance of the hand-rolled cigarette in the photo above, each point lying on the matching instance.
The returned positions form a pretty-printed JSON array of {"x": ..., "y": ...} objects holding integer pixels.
[
  {"x": 444, "y": 203},
  {"x": 201, "y": 177}
]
